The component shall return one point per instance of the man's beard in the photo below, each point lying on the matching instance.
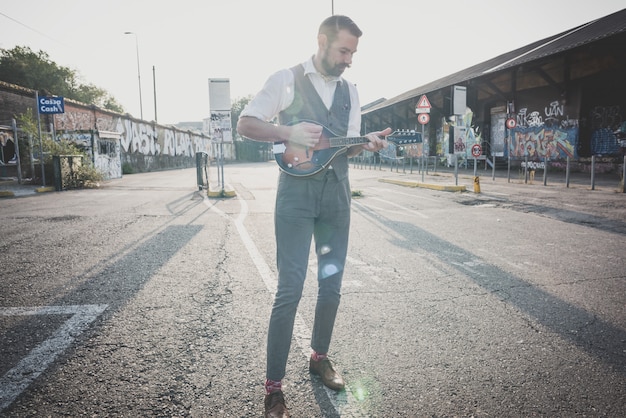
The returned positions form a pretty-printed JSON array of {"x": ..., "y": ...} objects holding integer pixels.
[{"x": 332, "y": 70}]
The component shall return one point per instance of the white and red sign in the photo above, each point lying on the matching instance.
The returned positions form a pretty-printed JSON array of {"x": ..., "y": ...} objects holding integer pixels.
[
  {"x": 477, "y": 150},
  {"x": 423, "y": 105},
  {"x": 511, "y": 123},
  {"x": 423, "y": 118}
]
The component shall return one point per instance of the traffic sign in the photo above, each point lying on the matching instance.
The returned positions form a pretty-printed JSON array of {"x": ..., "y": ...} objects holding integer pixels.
[
  {"x": 423, "y": 105},
  {"x": 477, "y": 150},
  {"x": 423, "y": 118},
  {"x": 511, "y": 123}
]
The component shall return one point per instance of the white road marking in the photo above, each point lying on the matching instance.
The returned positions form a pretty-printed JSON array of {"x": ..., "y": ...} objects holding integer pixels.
[{"x": 35, "y": 363}]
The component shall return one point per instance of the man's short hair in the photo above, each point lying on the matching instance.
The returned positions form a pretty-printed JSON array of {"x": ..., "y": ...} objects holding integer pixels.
[{"x": 333, "y": 24}]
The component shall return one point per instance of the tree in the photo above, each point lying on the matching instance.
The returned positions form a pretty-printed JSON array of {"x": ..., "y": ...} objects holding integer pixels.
[{"x": 37, "y": 71}]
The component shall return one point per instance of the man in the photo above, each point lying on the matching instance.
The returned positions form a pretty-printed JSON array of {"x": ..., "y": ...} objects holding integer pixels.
[{"x": 313, "y": 206}]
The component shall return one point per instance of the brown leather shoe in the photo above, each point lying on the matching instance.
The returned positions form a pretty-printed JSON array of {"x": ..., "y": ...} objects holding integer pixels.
[
  {"x": 325, "y": 370},
  {"x": 275, "y": 405}
]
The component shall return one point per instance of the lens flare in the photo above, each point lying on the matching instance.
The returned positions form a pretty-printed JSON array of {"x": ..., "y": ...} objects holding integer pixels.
[
  {"x": 329, "y": 270},
  {"x": 324, "y": 249}
]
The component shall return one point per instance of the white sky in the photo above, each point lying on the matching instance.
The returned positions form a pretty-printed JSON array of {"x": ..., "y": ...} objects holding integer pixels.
[{"x": 406, "y": 43}]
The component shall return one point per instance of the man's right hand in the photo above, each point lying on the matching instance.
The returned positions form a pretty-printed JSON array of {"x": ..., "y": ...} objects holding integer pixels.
[{"x": 306, "y": 134}]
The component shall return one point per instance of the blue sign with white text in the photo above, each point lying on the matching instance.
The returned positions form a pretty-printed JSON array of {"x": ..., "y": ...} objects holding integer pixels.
[{"x": 51, "y": 105}]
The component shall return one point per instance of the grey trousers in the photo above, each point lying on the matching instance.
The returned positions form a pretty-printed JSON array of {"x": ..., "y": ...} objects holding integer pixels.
[{"x": 312, "y": 207}]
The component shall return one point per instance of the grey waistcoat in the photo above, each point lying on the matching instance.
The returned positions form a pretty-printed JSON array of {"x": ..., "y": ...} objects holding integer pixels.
[{"x": 307, "y": 104}]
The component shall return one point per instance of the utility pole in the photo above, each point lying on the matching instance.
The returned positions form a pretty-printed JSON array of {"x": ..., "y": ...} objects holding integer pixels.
[
  {"x": 154, "y": 87},
  {"x": 138, "y": 72}
]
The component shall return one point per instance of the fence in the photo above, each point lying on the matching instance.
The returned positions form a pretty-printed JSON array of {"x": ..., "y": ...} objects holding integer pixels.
[{"x": 561, "y": 172}]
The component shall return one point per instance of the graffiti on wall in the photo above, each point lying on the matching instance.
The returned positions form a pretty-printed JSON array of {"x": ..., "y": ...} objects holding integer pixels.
[
  {"x": 545, "y": 131},
  {"x": 552, "y": 115},
  {"x": 498, "y": 120},
  {"x": 606, "y": 125},
  {"x": 145, "y": 138},
  {"x": 73, "y": 119},
  {"x": 473, "y": 134},
  {"x": 136, "y": 137},
  {"x": 139, "y": 138},
  {"x": 541, "y": 142},
  {"x": 443, "y": 137},
  {"x": 465, "y": 134},
  {"x": 119, "y": 141}
]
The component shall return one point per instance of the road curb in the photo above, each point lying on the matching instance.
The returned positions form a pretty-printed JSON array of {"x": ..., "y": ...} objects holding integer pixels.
[
  {"x": 440, "y": 187},
  {"x": 45, "y": 189},
  {"x": 216, "y": 191}
]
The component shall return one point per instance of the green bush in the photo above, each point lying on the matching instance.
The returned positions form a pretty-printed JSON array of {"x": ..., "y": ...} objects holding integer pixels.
[
  {"x": 84, "y": 175},
  {"x": 127, "y": 168}
]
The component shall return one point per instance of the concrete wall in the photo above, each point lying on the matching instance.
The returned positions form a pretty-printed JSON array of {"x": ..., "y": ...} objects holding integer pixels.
[{"x": 115, "y": 141}]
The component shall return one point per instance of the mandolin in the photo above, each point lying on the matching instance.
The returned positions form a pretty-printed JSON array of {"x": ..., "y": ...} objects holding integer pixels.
[{"x": 301, "y": 161}]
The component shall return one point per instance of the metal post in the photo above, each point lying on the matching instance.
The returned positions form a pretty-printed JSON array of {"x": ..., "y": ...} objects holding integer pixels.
[
  {"x": 138, "y": 72},
  {"x": 593, "y": 172},
  {"x": 526, "y": 169},
  {"x": 567, "y": 173},
  {"x": 624, "y": 175},
  {"x": 2, "y": 161},
  {"x": 43, "y": 173},
  {"x": 456, "y": 169},
  {"x": 222, "y": 168},
  {"x": 31, "y": 159},
  {"x": 154, "y": 87},
  {"x": 545, "y": 171},
  {"x": 493, "y": 168},
  {"x": 422, "y": 156},
  {"x": 508, "y": 170},
  {"x": 17, "y": 152},
  {"x": 219, "y": 164}
]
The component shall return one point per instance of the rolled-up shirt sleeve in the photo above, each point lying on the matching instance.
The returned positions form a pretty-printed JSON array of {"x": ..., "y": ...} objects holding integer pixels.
[{"x": 275, "y": 96}]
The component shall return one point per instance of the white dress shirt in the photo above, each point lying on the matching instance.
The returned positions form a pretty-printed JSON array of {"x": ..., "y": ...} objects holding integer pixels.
[{"x": 277, "y": 94}]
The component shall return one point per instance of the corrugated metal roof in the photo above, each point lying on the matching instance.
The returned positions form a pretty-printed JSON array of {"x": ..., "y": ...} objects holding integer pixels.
[{"x": 593, "y": 31}]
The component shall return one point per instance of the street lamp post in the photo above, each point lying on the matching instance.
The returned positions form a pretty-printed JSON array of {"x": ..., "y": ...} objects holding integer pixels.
[
  {"x": 138, "y": 72},
  {"x": 154, "y": 86}
]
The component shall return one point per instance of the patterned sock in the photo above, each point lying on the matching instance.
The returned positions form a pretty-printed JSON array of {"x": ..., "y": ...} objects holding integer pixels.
[
  {"x": 318, "y": 356},
  {"x": 272, "y": 386}
]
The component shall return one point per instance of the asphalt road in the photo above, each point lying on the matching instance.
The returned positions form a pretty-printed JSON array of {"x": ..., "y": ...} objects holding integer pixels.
[{"x": 146, "y": 298}]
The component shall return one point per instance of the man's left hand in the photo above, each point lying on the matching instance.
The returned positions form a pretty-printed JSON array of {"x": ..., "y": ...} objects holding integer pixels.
[{"x": 377, "y": 142}]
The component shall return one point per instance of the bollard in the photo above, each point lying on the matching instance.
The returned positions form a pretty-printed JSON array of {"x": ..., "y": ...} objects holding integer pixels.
[
  {"x": 476, "y": 184},
  {"x": 624, "y": 175}
]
